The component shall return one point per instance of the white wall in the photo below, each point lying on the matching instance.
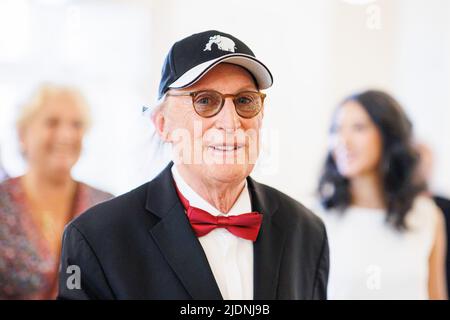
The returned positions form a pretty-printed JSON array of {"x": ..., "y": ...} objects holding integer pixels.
[{"x": 422, "y": 77}]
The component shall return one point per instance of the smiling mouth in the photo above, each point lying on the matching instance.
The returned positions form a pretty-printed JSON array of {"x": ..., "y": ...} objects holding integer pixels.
[{"x": 226, "y": 148}]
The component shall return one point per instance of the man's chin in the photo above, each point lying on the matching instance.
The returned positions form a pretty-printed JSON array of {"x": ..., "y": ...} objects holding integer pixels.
[{"x": 229, "y": 172}]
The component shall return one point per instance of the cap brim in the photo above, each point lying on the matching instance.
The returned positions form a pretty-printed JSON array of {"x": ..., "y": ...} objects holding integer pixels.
[{"x": 254, "y": 66}]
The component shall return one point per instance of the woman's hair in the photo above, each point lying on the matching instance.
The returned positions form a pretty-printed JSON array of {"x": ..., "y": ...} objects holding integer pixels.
[
  {"x": 397, "y": 165},
  {"x": 45, "y": 93}
]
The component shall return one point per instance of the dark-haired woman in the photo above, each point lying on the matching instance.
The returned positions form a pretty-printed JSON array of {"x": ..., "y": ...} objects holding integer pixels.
[{"x": 386, "y": 240}]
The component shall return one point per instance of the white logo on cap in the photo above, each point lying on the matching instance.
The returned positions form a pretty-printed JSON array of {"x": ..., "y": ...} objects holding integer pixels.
[{"x": 223, "y": 43}]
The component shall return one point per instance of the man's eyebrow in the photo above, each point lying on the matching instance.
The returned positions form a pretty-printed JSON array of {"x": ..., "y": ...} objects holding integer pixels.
[{"x": 245, "y": 88}]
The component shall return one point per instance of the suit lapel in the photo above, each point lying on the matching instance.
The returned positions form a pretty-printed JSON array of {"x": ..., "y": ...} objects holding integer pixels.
[
  {"x": 184, "y": 253},
  {"x": 175, "y": 238},
  {"x": 268, "y": 247}
]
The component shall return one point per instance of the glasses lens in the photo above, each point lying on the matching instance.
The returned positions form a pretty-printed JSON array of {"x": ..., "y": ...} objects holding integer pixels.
[
  {"x": 207, "y": 103},
  {"x": 248, "y": 104}
]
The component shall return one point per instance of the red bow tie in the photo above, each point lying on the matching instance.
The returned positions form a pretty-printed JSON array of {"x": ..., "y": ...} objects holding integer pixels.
[{"x": 244, "y": 225}]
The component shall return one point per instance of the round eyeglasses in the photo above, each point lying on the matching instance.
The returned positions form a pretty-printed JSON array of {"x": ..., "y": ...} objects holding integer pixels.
[{"x": 208, "y": 103}]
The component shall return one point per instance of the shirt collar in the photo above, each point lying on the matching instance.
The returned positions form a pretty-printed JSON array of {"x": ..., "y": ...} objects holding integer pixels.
[{"x": 242, "y": 204}]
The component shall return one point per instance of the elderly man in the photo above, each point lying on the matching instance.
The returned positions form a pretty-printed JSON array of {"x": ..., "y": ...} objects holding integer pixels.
[{"x": 202, "y": 229}]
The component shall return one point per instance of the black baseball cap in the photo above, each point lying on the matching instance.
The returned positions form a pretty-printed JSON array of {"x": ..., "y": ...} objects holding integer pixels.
[{"x": 191, "y": 58}]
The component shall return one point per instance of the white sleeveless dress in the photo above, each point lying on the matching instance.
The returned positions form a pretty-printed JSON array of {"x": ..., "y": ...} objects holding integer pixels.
[{"x": 369, "y": 259}]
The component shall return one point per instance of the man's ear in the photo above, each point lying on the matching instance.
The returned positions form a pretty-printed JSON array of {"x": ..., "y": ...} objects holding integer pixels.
[{"x": 159, "y": 121}]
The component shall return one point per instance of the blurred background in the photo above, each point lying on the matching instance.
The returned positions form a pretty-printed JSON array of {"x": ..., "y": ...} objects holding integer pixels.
[{"x": 318, "y": 52}]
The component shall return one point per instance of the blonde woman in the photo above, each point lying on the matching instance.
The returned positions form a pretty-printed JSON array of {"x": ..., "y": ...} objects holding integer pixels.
[{"x": 35, "y": 207}]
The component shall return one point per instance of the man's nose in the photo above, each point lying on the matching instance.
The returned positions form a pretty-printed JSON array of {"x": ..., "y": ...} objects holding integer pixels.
[{"x": 227, "y": 117}]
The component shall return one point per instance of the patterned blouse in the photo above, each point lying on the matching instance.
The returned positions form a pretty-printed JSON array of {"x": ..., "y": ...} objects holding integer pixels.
[{"x": 28, "y": 268}]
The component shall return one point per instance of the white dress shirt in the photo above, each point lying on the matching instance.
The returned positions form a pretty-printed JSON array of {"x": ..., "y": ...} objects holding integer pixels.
[{"x": 230, "y": 257}]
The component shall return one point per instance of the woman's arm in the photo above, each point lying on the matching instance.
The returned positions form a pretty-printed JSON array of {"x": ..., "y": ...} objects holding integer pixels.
[{"x": 437, "y": 283}]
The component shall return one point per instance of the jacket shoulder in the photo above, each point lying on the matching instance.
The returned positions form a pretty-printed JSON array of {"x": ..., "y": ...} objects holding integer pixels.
[
  {"x": 112, "y": 213},
  {"x": 291, "y": 212}
]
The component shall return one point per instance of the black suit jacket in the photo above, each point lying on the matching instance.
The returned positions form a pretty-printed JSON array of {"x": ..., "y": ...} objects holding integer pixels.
[{"x": 140, "y": 246}]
